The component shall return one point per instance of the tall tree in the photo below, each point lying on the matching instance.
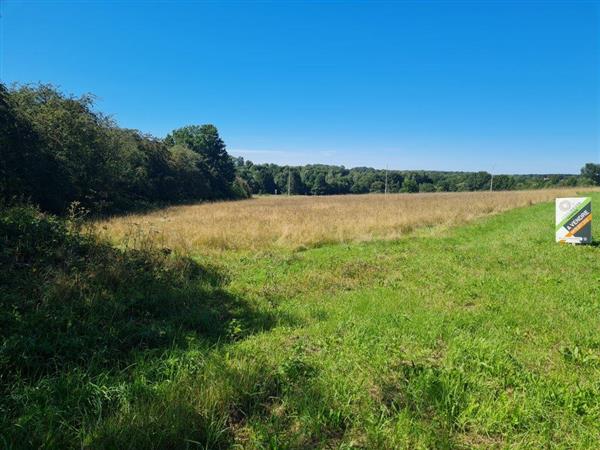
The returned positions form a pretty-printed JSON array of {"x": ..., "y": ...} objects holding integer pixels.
[
  {"x": 410, "y": 184},
  {"x": 320, "y": 185},
  {"x": 297, "y": 186},
  {"x": 27, "y": 169},
  {"x": 78, "y": 138},
  {"x": 263, "y": 177},
  {"x": 206, "y": 142},
  {"x": 56, "y": 149}
]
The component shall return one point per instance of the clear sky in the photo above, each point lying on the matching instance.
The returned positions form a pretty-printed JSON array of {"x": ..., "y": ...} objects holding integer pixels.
[{"x": 509, "y": 87}]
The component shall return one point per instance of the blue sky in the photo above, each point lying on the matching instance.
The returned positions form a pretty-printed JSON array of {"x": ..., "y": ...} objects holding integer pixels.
[{"x": 509, "y": 87}]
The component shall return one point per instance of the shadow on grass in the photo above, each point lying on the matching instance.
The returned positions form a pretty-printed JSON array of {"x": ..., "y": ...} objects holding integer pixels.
[
  {"x": 72, "y": 301},
  {"x": 83, "y": 326}
]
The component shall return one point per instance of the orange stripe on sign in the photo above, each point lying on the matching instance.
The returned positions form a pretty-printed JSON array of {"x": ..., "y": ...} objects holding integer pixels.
[{"x": 579, "y": 226}]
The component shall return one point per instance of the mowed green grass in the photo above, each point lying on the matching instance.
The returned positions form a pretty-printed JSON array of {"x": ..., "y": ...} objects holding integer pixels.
[{"x": 482, "y": 336}]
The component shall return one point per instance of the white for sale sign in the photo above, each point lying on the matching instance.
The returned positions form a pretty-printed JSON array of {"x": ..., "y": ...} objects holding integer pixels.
[{"x": 574, "y": 220}]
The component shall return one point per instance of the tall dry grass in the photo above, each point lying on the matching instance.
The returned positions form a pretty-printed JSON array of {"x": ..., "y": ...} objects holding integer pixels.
[{"x": 294, "y": 222}]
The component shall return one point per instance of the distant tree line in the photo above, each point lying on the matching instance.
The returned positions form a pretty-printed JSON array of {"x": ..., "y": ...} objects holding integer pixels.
[
  {"x": 57, "y": 149},
  {"x": 320, "y": 179}
]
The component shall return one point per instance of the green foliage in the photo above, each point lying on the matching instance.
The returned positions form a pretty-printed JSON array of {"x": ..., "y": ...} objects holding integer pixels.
[
  {"x": 241, "y": 189},
  {"x": 78, "y": 139},
  {"x": 263, "y": 180},
  {"x": 296, "y": 185},
  {"x": 57, "y": 149},
  {"x": 27, "y": 168},
  {"x": 213, "y": 162},
  {"x": 189, "y": 178},
  {"x": 427, "y": 187},
  {"x": 321, "y": 179},
  {"x": 591, "y": 171},
  {"x": 503, "y": 183},
  {"x": 320, "y": 186},
  {"x": 410, "y": 184}
]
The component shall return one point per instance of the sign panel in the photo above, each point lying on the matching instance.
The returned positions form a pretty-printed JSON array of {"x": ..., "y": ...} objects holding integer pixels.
[{"x": 574, "y": 220}]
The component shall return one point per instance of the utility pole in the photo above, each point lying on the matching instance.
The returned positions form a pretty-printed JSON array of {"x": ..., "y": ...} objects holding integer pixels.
[
  {"x": 289, "y": 179},
  {"x": 386, "y": 180}
]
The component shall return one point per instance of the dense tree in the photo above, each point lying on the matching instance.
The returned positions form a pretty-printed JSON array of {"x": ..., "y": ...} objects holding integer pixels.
[
  {"x": 477, "y": 181},
  {"x": 503, "y": 182},
  {"x": 240, "y": 188},
  {"x": 395, "y": 181},
  {"x": 320, "y": 185},
  {"x": 264, "y": 180},
  {"x": 377, "y": 186},
  {"x": 318, "y": 179},
  {"x": 289, "y": 179},
  {"x": 426, "y": 187},
  {"x": 79, "y": 139},
  {"x": 296, "y": 185},
  {"x": 410, "y": 184},
  {"x": 56, "y": 149},
  {"x": 591, "y": 171},
  {"x": 28, "y": 171},
  {"x": 214, "y": 162}
]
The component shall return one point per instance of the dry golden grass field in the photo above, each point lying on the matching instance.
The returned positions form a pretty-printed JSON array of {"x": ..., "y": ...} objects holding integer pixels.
[{"x": 299, "y": 221}]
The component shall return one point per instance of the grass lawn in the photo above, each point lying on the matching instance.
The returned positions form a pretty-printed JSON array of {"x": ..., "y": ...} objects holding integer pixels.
[{"x": 485, "y": 335}]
